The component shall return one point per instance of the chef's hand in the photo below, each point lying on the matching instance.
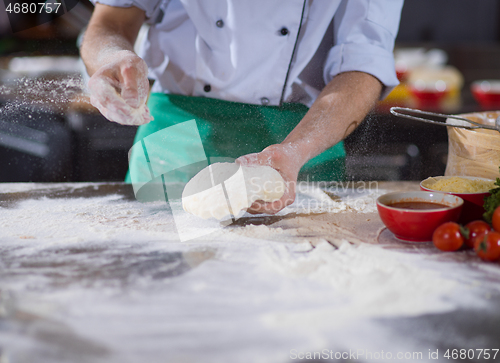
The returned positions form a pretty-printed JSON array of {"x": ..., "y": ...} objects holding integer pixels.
[
  {"x": 284, "y": 159},
  {"x": 119, "y": 89}
]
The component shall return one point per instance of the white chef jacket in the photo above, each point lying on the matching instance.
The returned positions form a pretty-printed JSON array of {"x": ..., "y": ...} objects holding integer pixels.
[{"x": 265, "y": 51}]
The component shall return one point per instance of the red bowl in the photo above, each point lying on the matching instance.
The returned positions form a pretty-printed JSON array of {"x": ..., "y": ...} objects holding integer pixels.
[
  {"x": 486, "y": 92},
  {"x": 417, "y": 225},
  {"x": 473, "y": 202},
  {"x": 427, "y": 96}
]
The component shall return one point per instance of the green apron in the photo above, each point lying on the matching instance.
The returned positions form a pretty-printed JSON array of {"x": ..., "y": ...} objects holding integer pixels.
[{"x": 227, "y": 130}]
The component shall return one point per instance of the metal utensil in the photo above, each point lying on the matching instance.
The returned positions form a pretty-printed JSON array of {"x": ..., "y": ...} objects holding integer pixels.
[{"x": 397, "y": 111}]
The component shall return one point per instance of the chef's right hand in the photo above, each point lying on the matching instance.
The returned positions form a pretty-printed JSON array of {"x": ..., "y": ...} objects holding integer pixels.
[
  {"x": 284, "y": 158},
  {"x": 119, "y": 89}
]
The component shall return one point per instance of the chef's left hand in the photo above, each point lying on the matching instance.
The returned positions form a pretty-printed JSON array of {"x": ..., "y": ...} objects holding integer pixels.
[{"x": 285, "y": 160}]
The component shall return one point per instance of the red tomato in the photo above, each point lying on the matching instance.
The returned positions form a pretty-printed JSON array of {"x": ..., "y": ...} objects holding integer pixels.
[
  {"x": 495, "y": 219},
  {"x": 447, "y": 237},
  {"x": 488, "y": 247},
  {"x": 474, "y": 230}
]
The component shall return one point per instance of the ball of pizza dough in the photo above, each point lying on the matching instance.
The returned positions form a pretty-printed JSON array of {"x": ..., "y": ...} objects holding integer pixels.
[{"x": 224, "y": 189}]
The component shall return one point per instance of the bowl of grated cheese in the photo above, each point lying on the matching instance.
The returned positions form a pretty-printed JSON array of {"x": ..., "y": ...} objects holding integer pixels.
[{"x": 471, "y": 189}]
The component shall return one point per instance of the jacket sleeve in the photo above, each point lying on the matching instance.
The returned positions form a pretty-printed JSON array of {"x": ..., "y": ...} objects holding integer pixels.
[
  {"x": 364, "y": 35},
  {"x": 151, "y": 7}
]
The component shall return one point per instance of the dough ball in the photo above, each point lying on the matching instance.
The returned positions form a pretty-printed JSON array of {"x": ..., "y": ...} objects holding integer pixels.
[{"x": 222, "y": 189}]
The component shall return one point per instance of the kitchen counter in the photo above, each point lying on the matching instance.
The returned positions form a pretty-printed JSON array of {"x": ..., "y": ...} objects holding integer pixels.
[{"x": 89, "y": 274}]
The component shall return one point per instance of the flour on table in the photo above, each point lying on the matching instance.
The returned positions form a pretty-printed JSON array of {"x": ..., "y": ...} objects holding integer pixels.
[
  {"x": 223, "y": 189},
  {"x": 319, "y": 215},
  {"x": 365, "y": 281}
]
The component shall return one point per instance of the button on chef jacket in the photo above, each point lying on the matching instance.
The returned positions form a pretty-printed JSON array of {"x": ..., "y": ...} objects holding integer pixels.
[{"x": 265, "y": 51}]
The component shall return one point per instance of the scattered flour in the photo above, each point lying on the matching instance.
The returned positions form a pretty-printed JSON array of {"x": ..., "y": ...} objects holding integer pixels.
[
  {"x": 76, "y": 220},
  {"x": 100, "y": 265},
  {"x": 367, "y": 281},
  {"x": 317, "y": 199},
  {"x": 24, "y": 187}
]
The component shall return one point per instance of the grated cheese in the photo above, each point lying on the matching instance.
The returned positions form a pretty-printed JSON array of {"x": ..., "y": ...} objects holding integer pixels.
[{"x": 461, "y": 185}]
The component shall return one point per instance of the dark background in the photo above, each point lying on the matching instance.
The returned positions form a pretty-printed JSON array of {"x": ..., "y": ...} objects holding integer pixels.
[{"x": 86, "y": 147}]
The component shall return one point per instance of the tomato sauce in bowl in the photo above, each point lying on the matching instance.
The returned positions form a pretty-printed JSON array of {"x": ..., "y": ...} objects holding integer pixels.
[
  {"x": 417, "y": 205},
  {"x": 413, "y": 216}
]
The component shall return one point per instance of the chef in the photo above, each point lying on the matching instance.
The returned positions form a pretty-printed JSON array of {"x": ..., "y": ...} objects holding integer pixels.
[{"x": 270, "y": 82}]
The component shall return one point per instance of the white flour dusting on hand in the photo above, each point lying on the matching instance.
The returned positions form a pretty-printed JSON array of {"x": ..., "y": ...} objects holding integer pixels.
[{"x": 114, "y": 107}]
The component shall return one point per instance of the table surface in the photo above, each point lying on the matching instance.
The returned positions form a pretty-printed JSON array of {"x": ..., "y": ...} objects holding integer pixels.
[{"x": 89, "y": 274}]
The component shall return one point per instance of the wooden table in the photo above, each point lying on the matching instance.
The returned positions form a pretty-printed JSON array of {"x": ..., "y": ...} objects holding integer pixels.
[{"x": 89, "y": 274}]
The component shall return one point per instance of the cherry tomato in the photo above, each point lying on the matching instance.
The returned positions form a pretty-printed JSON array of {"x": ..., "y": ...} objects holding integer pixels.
[
  {"x": 495, "y": 219},
  {"x": 447, "y": 237},
  {"x": 488, "y": 247},
  {"x": 473, "y": 230}
]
